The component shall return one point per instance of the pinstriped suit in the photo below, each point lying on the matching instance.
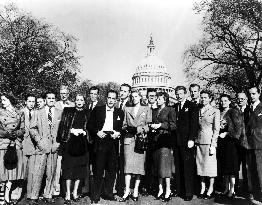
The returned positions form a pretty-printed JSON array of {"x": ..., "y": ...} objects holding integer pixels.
[{"x": 46, "y": 137}]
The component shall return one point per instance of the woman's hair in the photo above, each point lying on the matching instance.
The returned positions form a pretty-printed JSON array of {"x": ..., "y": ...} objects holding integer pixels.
[
  {"x": 208, "y": 92},
  {"x": 139, "y": 93},
  {"x": 10, "y": 97},
  {"x": 84, "y": 96},
  {"x": 165, "y": 96}
]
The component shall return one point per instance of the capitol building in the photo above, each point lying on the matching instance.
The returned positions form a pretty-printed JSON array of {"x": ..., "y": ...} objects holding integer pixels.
[{"x": 152, "y": 73}]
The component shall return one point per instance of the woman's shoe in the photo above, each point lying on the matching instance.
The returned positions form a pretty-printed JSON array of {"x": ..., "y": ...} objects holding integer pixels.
[
  {"x": 206, "y": 197},
  {"x": 68, "y": 201},
  {"x": 161, "y": 196},
  {"x": 166, "y": 199},
  {"x": 122, "y": 199},
  {"x": 232, "y": 196},
  {"x": 201, "y": 196},
  {"x": 134, "y": 198}
]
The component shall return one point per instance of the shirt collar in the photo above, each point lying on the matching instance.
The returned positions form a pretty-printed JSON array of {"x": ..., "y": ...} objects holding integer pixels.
[{"x": 108, "y": 109}]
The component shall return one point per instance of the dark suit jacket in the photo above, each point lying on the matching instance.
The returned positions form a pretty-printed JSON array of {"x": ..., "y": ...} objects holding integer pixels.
[
  {"x": 187, "y": 123},
  {"x": 167, "y": 118},
  {"x": 254, "y": 128},
  {"x": 245, "y": 118},
  {"x": 98, "y": 116}
]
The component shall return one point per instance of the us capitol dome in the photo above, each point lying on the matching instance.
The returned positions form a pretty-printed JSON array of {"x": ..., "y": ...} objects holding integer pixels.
[{"x": 152, "y": 73}]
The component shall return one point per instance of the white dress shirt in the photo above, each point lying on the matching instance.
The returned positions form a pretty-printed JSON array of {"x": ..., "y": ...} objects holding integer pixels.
[
  {"x": 255, "y": 104},
  {"x": 108, "y": 126},
  {"x": 52, "y": 110}
]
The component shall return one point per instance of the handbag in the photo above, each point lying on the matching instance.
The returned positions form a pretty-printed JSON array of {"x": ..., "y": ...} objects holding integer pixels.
[
  {"x": 141, "y": 143},
  {"x": 10, "y": 157}
]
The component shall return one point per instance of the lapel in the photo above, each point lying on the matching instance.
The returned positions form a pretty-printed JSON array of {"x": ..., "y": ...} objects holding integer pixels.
[
  {"x": 115, "y": 115},
  {"x": 103, "y": 114},
  {"x": 205, "y": 112},
  {"x": 139, "y": 112},
  {"x": 258, "y": 109},
  {"x": 43, "y": 116}
]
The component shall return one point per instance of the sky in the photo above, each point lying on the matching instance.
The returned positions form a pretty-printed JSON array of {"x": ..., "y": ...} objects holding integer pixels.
[{"x": 113, "y": 34}]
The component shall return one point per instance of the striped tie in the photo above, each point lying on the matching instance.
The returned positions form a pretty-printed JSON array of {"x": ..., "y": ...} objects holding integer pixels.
[{"x": 50, "y": 117}]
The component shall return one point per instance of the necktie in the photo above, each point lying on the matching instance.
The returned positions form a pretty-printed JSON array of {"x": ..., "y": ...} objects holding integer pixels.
[
  {"x": 91, "y": 106},
  {"x": 121, "y": 105},
  {"x": 30, "y": 115},
  {"x": 50, "y": 117},
  {"x": 179, "y": 107}
]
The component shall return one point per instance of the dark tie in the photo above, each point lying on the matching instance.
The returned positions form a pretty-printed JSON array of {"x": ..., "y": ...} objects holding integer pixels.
[
  {"x": 121, "y": 105},
  {"x": 50, "y": 117},
  {"x": 91, "y": 106},
  {"x": 30, "y": 115},
  {"x": 179, "y": 107}
]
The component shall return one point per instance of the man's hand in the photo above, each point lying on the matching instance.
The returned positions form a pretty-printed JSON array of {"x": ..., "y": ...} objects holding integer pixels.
[
  {"x": 190, "y": 144},
  {"x": 115, "y": 135},
  {"x": 212, "y": 150},
  {"x": 101, "y": 134},
  {"x": 223, "y": 135}
]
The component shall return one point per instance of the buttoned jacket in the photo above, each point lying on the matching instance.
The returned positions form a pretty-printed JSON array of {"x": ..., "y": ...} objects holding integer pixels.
[{"x": 209, "y": 126}]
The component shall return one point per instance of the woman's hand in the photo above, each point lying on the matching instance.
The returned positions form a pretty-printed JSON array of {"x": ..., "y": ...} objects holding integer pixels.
[
  {"x": 212, "y": 150},
  {"x": 223, "y": 135},
  {"x": 155, "y": 126}
]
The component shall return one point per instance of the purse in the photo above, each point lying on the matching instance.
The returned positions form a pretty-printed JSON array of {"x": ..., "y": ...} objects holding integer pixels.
[
  {"x": 10, "y": 157},
  {"x": 141, "y": 143}
]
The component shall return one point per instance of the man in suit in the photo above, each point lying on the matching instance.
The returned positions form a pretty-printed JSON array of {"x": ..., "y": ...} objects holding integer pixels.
[
  {"x": 34, "y": 159},
  {"x": 124, "y": 101},
  {"x": 44, "y": 129},
  {"x": 242, "y": 102},
  {"x": 64, "y": 102},
  {"x": 184, "y": 152},
  {"x": 148, "y": 181},
  {"x": 254, "y": 141},
  {"x": 195, "y": 93},
  {"x": 93, "y": 98},
  {"x": 105, "y": 123}
]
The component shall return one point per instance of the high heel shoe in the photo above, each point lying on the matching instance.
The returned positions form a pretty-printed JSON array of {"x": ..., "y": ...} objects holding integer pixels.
[
  {"x": 206, "y": 197},
  {"x": 159, "y": 197},
  {"x": 134, "y": 198},
  {"x": 232, "y": 196},
  {"x": 122, "y": 199},
  {"x": 166, "y": 199}
]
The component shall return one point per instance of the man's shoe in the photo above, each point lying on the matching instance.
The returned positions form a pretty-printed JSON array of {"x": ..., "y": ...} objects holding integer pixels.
[
  {"x": 94, "y": 201},
  {"x": 48, "y": 200},
  {"x": 144, "y": 192},
  {"x": 109, "y": 198},
  {"x": 188, "y": 198}
]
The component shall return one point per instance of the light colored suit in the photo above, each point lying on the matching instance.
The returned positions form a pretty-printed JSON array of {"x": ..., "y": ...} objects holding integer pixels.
[
  {"x": 135, "y": 162},
  {"x": 46, "y": 138},
  {"x": 209, "y": 126}
]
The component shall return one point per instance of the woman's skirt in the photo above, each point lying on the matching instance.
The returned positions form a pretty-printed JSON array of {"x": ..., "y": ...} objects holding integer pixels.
[
  {"x": 14, "y": 174},
  {"x": 163, "y": 160},
  {"x": 227, "y": 156},
  {"x": 206, "y": 163},
  {"x": 134, "y": 162}
]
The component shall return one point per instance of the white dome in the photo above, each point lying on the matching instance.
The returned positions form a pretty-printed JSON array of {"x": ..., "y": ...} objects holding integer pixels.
[{"x": 151, "y": 64}]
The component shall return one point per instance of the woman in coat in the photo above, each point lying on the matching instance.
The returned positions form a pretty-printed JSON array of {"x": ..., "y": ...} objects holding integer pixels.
[
  {"x": 136, "y": 124},
  {"x": 230, "y": 131},
  {"x": 11, "y": 134},
  {"x": 164, "y": 121},
  {"x": 206, "y": 159},
  {"x": 73, "y": 138}
]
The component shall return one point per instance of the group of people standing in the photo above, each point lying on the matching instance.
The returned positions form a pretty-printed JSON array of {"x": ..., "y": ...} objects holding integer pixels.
[{"x": 128, "y": 146}]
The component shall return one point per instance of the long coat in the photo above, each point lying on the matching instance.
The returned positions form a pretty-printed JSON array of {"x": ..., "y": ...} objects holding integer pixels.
[
  {"x": 42, "y": 133},
  {"x": 167, "y": 118}
]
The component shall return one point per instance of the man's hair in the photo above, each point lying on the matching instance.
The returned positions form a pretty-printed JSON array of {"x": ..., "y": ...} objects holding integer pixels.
[
  {"x": 225, "y": 96},
  {"x": 40, "y": 95},
  {"x": 63, "y": 87},
  {"x": 242, "y": 91},
  {"x": 150, "y": 90},
  {"x": 258, "y": 90},
  {"x": 180, "y": 88},
  {"x": 27, "y": 95},
  {"x": 126, "y": 85},
  {"x": 50, "y": 92},
  {"x": 94, "y": 88},
  {"x": 194, "y": 85},
  {"x": 112, "y": 91},
  {"x": 165, "y": 95}
]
